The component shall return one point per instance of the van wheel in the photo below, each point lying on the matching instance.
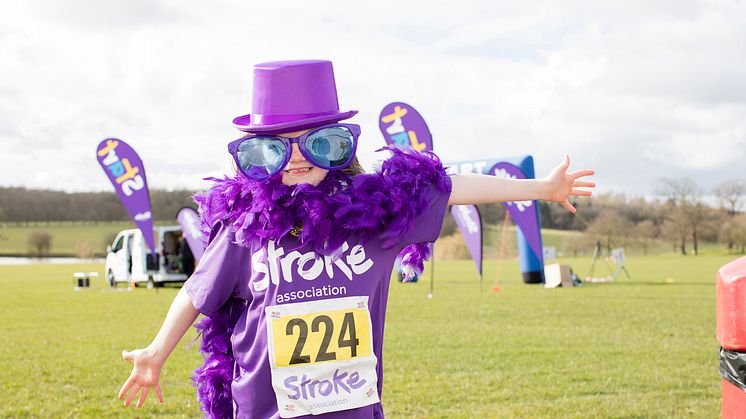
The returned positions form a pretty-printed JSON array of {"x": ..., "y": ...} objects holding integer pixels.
[
  {"x": 110, "y": 279},
  {"x": 151, "y": 283}
]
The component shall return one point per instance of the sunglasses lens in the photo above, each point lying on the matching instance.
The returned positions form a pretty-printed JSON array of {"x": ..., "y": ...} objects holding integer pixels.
[
  {"x": 261, "y": 157},
  {"x": 330, "y": 148}
]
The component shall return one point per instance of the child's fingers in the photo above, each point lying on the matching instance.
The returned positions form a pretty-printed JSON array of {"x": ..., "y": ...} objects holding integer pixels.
[
  {"x": 584, "y": 184},
  {"x": 568, "y": 206},
  {"x": 158, "y": 392},
  {"x": 581, "y": 173},
  {"x": 128, "y": 355},
  {"x": 143, "y": 396},
  {"x": 580, "y": 192},
  {"x": 132, "y": 395},
  {"x": 127, "y": 384}
]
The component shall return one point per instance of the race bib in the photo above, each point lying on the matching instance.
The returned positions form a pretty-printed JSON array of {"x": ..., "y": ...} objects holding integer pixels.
[{"x": 321, "y": 356}]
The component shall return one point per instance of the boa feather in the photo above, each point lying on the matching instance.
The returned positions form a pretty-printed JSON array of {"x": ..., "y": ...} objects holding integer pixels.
[
  {"x": 213, "y": 379},
  {"x": 383, "y": 205},
  {"x": 413, "y": 259}
]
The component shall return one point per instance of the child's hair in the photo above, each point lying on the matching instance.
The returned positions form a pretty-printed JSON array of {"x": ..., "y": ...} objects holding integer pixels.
[{"x": 354, "y": 168}]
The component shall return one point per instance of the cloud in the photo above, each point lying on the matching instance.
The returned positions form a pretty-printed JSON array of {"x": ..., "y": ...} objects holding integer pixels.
[{"x": 638, "y": 90}]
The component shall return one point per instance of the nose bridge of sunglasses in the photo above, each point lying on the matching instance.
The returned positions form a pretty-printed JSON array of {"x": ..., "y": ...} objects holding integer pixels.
[{"x": 295, "y": 153}]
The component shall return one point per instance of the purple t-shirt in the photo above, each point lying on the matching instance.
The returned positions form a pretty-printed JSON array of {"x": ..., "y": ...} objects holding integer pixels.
[{"x": 311, "y": 335}]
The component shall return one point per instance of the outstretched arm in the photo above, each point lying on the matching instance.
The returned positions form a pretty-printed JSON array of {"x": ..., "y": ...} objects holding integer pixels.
[
  {"x": 557, "y": 186},
  {"x": 147, "y": 362}
]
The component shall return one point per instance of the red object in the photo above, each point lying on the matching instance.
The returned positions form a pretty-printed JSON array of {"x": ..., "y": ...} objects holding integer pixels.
[
  {"x": 731, "y": 329},
  {"x": 731, "y": 305},
  {"x": 734, "y": 402}
]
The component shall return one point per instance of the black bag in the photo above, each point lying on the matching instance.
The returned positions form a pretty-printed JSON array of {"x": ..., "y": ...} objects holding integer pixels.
[{"x": 733, "y": 367}]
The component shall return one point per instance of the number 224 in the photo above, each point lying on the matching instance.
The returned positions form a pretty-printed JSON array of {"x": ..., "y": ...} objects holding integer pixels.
[{"x": 348, "y": 328}]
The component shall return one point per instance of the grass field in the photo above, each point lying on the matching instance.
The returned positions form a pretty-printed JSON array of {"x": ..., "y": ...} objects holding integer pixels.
[
  {"x": 643, "y": 347},
  {"x": 65, "y": 237}
]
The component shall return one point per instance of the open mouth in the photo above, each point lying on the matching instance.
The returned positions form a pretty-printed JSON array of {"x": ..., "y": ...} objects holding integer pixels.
[{"x": 298, "y": 170}]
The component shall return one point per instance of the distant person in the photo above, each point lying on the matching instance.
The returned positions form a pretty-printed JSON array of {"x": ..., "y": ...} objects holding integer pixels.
[
  {"x": 302, "y": 243},
  {"x": 170, "y": 251},
  {"x": 186, "y": 258}
]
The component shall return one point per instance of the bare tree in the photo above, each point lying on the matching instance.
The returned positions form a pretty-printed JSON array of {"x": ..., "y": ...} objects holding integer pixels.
[
  {"x": 611, "y": 228},
  {"x": 577, "y": 244},
  {"x": 739, "y": 231},
  {"x": 684, "y": 199},
  {"x": 728, "y": 231},
  {"x": 697, "y": 215},
  {"x": 676, "y": 234},
  {"x": 39, "y": 242},
  {"x": 644, "y": 232},
  {"x": 730, "y": 193}
]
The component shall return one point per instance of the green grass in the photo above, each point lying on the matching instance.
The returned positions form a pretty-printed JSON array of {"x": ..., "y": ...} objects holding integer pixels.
[
  {"x": 640, "y": 347},
  {"x": 632, "y": 348},
  {"x": 65, "y": 237},
  {"x": 61, "y": 351}
]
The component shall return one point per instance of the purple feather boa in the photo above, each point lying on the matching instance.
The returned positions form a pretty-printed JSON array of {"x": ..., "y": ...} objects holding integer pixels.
[
  {"x": 383, "y": 205},
  {"x": 213, "y": 379},
  {"x": 413, "y": 259}
]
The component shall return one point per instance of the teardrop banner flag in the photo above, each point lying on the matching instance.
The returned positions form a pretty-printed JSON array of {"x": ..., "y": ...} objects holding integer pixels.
[
  {"x": 189, "y": 221},
  {"x": 402, "y": 125},
  {"x": 470, "y": 224},
  {"x": 127, "y": 173},
  {"x": 525, "y": 214}
]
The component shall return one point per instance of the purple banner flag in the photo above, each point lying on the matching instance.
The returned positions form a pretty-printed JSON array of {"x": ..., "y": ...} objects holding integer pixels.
[
  {"x": 189, "y": 221},
  {"x": 523, "y": 213},
  {"x": 470, "y": 224},
  {"x": 401, "y": 124},
  {"x": 127, "y": 173}
]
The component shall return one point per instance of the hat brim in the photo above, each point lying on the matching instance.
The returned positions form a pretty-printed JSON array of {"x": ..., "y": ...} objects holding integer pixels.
[{"x": 243, "y": 123}]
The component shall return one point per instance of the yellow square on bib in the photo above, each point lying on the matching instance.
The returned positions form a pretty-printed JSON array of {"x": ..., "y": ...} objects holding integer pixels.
[{"x": 322, "y": 336}]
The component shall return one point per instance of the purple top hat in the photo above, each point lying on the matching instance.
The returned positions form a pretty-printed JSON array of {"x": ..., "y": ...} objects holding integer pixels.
[{"x": 292, "y": 96}]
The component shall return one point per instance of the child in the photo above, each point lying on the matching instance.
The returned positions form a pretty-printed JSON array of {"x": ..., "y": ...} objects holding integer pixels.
[{"x": 301, "y": 247}]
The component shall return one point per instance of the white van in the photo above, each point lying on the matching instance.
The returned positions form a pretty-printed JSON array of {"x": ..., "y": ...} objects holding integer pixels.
[{"x": 129, "y": 259}]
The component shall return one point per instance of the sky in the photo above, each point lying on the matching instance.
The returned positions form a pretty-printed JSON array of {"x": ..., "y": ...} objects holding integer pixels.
[{"x": 637, "y": 90}]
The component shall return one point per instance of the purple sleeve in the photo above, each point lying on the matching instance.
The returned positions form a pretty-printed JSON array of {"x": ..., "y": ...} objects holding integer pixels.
[
  {"x": 219, "y": 272},
  {"x": 430, "y": 217}
]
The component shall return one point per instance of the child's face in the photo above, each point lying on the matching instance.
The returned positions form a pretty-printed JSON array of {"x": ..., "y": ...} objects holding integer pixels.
[{"x": 299, "y": 170}]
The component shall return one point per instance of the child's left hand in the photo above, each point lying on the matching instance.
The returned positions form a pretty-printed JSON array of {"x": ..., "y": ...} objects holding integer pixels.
[{"x": 562, "y": 184}]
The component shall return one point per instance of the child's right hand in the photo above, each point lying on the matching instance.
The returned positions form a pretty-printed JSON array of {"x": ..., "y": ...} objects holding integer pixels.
[{"x": 146, "y": 373}]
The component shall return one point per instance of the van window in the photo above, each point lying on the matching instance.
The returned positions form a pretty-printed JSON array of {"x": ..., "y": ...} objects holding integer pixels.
[
  {"x": 170, "y": 251},
  {"x": 118, "y": 244}
]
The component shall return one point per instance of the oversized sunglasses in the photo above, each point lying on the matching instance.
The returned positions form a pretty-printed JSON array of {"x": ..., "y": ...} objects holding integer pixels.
[{"x": 330, "y": 147}]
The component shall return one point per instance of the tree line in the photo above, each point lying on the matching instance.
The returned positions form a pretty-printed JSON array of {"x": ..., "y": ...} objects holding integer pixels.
[
  {"x": 21, "y": 206},
  {"x": 679, "y": 214}
]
